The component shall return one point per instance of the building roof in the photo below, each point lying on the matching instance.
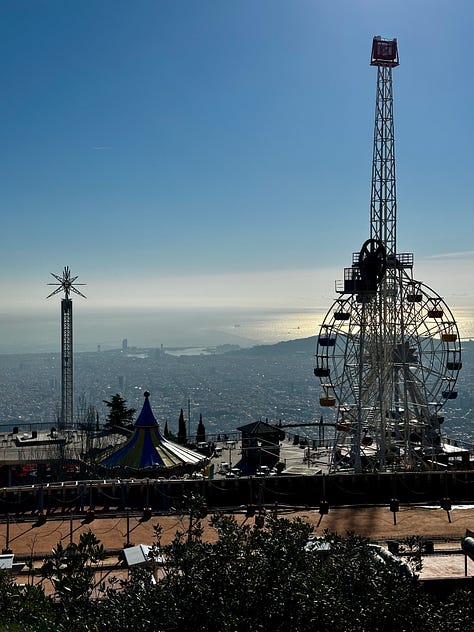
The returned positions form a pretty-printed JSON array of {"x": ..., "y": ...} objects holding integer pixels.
[
  {"x": 146, "y": 418},
  {"x": 259, "y": 428}
]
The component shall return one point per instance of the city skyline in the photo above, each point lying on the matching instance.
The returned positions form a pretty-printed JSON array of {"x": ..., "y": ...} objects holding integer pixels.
[{"x": 218, "y": 155}]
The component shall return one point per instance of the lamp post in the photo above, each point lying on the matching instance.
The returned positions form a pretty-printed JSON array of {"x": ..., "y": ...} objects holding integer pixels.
[
  {"x": 7, "y": 548},
  {"x": 230, "y": 446}
]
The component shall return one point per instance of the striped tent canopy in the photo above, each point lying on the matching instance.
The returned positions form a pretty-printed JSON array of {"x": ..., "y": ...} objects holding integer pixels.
[{"x": 147, "y": 448}]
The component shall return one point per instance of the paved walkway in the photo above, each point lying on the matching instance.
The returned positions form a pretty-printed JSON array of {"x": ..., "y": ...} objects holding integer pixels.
[{"x": 27, "y": 538}]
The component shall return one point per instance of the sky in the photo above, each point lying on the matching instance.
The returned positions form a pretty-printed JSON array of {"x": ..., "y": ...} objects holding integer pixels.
[{"x": 187, "y": 154}]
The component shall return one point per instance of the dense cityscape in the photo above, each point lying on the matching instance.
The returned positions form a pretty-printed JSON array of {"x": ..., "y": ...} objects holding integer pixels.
[{"x": 229, "y": 387}]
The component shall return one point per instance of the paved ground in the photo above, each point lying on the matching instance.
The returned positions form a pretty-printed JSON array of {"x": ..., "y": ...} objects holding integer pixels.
[
  {"x": 27, "y": 538},
  {"x": 377, "y": 523}
]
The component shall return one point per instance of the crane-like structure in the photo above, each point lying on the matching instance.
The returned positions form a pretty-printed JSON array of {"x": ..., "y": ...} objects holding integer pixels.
[
  {"x": 66, "y": 284},
  {"x": 388, "y": 351}
]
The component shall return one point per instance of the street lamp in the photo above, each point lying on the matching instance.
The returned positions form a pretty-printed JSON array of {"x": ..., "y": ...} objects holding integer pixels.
[{"x": 230, "y": 446}]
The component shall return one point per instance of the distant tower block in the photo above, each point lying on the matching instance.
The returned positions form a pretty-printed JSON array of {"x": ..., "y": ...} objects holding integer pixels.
[
  {"x": 65, "y": 284},
  {"x": 124, "y": 344}
]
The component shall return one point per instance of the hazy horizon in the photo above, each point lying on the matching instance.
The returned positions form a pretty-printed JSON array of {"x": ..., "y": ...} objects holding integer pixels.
[
  {"x": 153, "y": 328},
  {"x": 173, "y": 328}
]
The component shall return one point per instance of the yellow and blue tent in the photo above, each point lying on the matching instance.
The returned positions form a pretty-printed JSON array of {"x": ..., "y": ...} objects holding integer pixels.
[{"x": 147, "y": 448}]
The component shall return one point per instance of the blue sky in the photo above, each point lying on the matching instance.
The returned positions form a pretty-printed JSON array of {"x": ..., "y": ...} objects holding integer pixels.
[{"x": 183, "y": 153}]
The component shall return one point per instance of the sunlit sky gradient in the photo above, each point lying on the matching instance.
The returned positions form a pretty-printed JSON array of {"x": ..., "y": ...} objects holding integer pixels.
[{"x": 184, "y": 153}]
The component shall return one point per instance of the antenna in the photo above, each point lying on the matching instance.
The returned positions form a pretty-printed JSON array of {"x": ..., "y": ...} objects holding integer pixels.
[{"x": 66, "y": 284}]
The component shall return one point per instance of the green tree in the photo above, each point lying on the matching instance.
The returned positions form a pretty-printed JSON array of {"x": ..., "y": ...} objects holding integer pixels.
[
  {"x": 182, "y": 436},
  {"x": 264, "y": 579},
  {"x": 119, "y": 414},
  {"x": 71, "y": 570},
  {"x": 20, "y": 606},
  {"x": 201, "y": 431},
  {"x": 253, "y": 575}
]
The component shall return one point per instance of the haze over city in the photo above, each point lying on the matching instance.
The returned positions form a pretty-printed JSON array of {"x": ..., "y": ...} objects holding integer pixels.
[{"x": 208, "y": 155}]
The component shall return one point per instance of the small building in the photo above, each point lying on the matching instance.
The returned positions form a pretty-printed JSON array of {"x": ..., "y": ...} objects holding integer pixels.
[{"x": 260, "y": 444}]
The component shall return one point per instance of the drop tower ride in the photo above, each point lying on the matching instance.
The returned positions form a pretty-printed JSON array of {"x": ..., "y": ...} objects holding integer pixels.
[{"x": 65, "y": 284}]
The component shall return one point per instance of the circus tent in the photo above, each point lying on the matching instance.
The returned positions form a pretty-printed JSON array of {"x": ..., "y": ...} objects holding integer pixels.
[{"x": 147, "y": 448}]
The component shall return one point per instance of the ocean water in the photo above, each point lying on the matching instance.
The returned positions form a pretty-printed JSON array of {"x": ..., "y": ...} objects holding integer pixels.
[
  {"x": 172, "y": 328},
  {"x": 464, "y": 317}
]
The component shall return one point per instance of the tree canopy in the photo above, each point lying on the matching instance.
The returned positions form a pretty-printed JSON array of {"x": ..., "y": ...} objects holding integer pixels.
[
  {"x": 201, "y": 431},
  {"x": 119, "y": 414},
  {"x": 182, "y": 435},
  {"x": 258, "y": 575}
]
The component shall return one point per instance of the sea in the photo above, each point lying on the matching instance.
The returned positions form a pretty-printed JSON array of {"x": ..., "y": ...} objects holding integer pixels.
[
  {"x": 190, "y": 331},
  {"x": 181, "y": 329}
]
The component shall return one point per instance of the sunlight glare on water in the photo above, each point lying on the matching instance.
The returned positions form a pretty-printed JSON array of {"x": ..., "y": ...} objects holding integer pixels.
[
  {"x": 176, "y": 328},
  {"x": 464, "y": 317},
  {"x": 273, "y": 327}
]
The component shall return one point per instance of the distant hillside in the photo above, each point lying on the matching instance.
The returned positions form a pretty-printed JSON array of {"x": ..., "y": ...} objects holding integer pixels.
[{"x": 300, "y": 345}]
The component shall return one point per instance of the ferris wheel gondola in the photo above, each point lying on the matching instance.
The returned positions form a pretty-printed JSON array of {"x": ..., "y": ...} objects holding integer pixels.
[{"x": 419, "y": 372}]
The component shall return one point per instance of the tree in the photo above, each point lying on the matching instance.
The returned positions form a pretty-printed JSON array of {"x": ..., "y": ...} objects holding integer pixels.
[
  {"x": 264, "y": 578},
  {"x": 71, "y": 569},
  {"x": 86, "y": 415},
  {"x": 182, "y": 436},
  {"x": 201, "y": 431},
  {"x": 119, "y": 414},
  {"x": 166, "y": 431},
  {"x": 252, "y": 576},
  {"x": 20, "y": 605}
]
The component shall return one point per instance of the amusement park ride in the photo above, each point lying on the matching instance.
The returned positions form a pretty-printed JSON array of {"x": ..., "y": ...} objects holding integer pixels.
[
  {"x": 66, "y": 284},
  {"x": 388, "y": 352}
]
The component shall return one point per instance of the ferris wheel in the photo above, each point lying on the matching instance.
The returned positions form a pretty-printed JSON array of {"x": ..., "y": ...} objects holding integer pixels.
[
  {"x": 388, "y": 398},
  {"x": 388, "y": 352}
]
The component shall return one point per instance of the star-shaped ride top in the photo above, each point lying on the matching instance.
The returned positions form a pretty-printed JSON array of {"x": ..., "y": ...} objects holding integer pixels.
[{"x": 65, "y": 284}]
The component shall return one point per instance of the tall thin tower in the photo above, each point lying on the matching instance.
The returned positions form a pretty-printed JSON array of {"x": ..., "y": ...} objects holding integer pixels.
[
  {"x": 383, "y": 313},
  {"x": 388, "y": 352},
  {"x": 383, "y": 203},
  {"x": 65, "y": 284}
]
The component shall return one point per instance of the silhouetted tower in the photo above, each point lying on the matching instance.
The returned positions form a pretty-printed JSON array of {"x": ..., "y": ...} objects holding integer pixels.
[
  {"x": 388, "y": 352},
  {"x": 383, "y": 203},
  {"x": 65, "y": 284}
]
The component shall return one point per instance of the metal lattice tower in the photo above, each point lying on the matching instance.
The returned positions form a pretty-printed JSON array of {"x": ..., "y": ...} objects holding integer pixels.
[
  {"x": 65, "y": 284},
  {"x": 383, "y": 204},
  {"x": 388, "y": 352},
  {"x": 380, "y": 321}
]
